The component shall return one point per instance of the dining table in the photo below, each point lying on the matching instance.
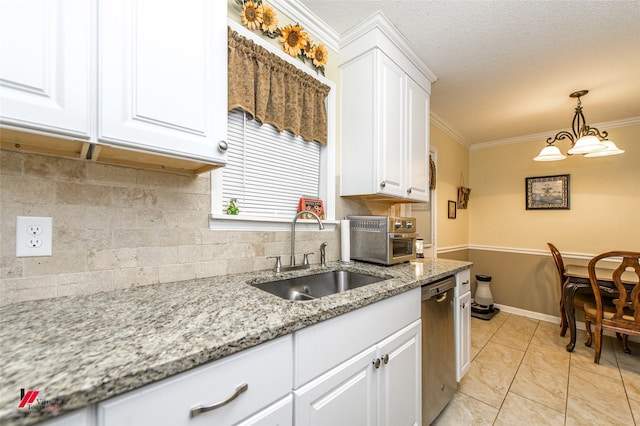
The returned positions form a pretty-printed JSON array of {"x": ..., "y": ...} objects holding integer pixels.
[{"x": 578, "y": 278}]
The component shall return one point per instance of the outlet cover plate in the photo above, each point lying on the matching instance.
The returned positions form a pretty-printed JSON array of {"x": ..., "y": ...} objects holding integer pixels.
[{"x": 33, "y": 236}]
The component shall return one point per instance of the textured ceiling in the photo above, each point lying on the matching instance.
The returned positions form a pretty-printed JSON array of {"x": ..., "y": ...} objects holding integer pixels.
[{"x": 506, "y": 68}]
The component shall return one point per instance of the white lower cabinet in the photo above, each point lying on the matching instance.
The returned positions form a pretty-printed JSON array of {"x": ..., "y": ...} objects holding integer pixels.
[
  {"x": 266, "y": 370},
  {"x": 462, "y": 315},
  {"x": 377, "y": 384},
  {"x": 359, "y": 368}
]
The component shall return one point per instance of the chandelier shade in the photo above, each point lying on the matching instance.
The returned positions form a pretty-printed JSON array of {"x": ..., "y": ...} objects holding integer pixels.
[
  {"x": 611, "y": 149},
  {"x": 585, "y": 140},
  {"x": 550, "y": 153}
]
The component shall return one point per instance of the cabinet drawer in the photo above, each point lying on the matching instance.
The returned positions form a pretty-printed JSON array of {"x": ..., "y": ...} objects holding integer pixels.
[
  {"x": 463, "y": 282},
  {"x": 266, "y": 369}
]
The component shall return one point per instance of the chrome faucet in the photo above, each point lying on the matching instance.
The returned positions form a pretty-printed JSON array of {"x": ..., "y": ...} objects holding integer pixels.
[{"x": 293, "y": 232}]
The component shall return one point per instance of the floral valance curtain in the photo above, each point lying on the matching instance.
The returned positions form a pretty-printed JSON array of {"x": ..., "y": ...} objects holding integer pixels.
[{"x": 274, "y": 91}]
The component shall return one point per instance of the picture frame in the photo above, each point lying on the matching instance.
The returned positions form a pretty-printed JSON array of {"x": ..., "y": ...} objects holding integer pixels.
[
  {"x": 311, "y": 204},
  {"x": 547, "y": 192},
  {"x": 452, "y": 210}
]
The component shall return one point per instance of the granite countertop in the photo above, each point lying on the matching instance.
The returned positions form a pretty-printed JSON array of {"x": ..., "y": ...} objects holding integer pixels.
[{"x": 84, "y": 349}]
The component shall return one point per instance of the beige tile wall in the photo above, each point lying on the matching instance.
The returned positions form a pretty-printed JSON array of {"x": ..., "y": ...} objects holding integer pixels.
[{"x": 117, "y": 227}]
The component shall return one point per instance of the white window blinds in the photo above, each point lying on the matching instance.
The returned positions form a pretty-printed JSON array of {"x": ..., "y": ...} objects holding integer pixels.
[{"x": 268, "y": 171}]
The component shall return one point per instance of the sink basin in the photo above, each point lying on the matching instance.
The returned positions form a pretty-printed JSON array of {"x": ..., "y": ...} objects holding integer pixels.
[{"x": 314, "y": 286}]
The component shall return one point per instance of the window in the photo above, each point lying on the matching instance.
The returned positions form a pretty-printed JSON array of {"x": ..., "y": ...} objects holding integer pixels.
[{"x": 269, "y": 171}]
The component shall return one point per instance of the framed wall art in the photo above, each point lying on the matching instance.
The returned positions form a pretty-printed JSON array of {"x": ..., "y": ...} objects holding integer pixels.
[
  {"x": 547, "y": 192},
  {"x": 452, "y": 210}
]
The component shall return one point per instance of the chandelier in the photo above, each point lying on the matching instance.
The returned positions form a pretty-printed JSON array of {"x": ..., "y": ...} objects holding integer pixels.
[{"x": 585, "y": 140}]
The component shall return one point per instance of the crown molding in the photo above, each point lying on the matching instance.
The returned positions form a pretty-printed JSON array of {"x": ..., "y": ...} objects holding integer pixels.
[
  {"x": 437, "y": 121},
  {"x": 310, "y": 21},
  {"x": 632, "y": 121},
  {"x": 381, "y": 22}
]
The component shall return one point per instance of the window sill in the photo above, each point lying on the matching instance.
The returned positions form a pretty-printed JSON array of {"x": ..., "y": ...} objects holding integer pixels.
[{"x": 222, "y": 222}]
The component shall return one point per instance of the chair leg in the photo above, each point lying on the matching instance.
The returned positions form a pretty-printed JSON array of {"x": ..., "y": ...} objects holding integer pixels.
[
  {"x": 625, "y": 343},
  {"x": 587, "y": 325},
  {"x": 598, "y": 332},
  {"x": 563, "y": 320}
]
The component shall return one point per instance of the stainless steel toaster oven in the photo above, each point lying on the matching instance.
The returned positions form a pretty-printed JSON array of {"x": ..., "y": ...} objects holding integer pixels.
[{"x": 385, "y": 240}]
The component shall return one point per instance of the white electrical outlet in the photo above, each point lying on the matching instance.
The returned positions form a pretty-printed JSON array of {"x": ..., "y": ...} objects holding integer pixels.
[{"x": 33, "y": 236}]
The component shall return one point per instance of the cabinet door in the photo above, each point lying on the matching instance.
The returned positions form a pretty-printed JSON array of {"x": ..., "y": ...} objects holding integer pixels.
[
  {"x": 417, "y": 140},
  {"x": 163, "y": 76},
  {"x": 345, "y": 395},
  {"x": 400, "y": 390},
  {"x": 463, "y": 335},
  {"x": 391, "y": 109},
  {"x": 46, "y": 65}
]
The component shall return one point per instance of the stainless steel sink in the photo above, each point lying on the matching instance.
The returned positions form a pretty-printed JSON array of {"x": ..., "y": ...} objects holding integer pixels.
[{"x": 314, "y": 286}]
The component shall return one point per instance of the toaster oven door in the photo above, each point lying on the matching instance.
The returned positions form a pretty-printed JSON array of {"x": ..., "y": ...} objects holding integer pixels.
[{"x": 402, "y": 248}]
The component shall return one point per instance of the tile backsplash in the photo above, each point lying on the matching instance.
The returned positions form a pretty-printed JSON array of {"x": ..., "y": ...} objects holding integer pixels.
[{"x": 117, "y": 227}]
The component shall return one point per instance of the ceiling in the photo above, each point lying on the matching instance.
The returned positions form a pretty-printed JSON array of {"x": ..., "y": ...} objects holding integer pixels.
[{"x": 506, "y": 68}]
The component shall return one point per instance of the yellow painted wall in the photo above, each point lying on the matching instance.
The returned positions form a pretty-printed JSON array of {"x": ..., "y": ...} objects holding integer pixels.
[
  {"x": 452, "y": 160},
  {"x": 604, "y": 198}
]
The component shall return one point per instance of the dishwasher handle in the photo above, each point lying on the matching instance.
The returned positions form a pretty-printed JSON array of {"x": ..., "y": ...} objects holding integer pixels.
[{"x": 441, "y": 298}]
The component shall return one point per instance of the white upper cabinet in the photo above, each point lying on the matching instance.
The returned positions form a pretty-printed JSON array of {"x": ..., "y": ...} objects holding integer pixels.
[
  {"x": 45, "y": 74},
  {"x": 385, "y": 91},
  {"x": 163, "y": 76},
  {"x": 141, "y": 83}
]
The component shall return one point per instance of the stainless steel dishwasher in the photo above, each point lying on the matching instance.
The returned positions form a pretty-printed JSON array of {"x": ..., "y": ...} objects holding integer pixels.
[{"x": 438, "y": 348}]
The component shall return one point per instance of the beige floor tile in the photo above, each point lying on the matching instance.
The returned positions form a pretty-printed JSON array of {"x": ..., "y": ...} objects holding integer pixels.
[
  {"x": 491, "y": 374},
  {"x": 629, "y": 362},
  {"x": 631, "y": 381},
  {"x": 635, "y": 409},
  {"x": 520, "y": 410},
  {"x": 543, "y": 387},
  {"x": 610, "y": 407},
  {"x": 582, "y": 357},
  {"x": 464, "y": 410},
  {"x": 478, "y": 340},
  {"x": 546, "y": 358},
  {"x": 516, "y": 332},
  {"x": 548, "y": 334}
]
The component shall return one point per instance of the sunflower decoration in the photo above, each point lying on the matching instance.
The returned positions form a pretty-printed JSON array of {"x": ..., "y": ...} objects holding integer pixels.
[
  {"x": 269, "y": 20},
  {"x": 257, "y": 15},
  {"x": 252, "y": 15},
  {"x": 319, "y": 55},
  {"x": 293, "y": 39}
]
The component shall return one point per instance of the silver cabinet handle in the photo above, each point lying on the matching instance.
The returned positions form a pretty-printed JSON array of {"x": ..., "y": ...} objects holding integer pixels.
[
  {"x": 464, "y": 305},
  {"x": 409, "y": 191},
  {"x": 383, "y": 184},
  {"x": 204, "y": 408},
  {"x": 385, "y": 359},
  {"x": 223, "y": 146},
  {"x": 376, "y": 363},
  {"x": 441, "y": 298},
  {"x": 465, "y": 282}
]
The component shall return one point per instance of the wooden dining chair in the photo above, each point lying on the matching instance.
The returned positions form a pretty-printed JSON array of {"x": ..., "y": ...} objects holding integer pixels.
[
  {"x": 624, "y": 315},
  {"x": 580, "y": 298}
]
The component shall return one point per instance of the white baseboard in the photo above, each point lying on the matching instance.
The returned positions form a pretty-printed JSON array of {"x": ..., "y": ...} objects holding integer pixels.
[{"x": 552, "y": 319}]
